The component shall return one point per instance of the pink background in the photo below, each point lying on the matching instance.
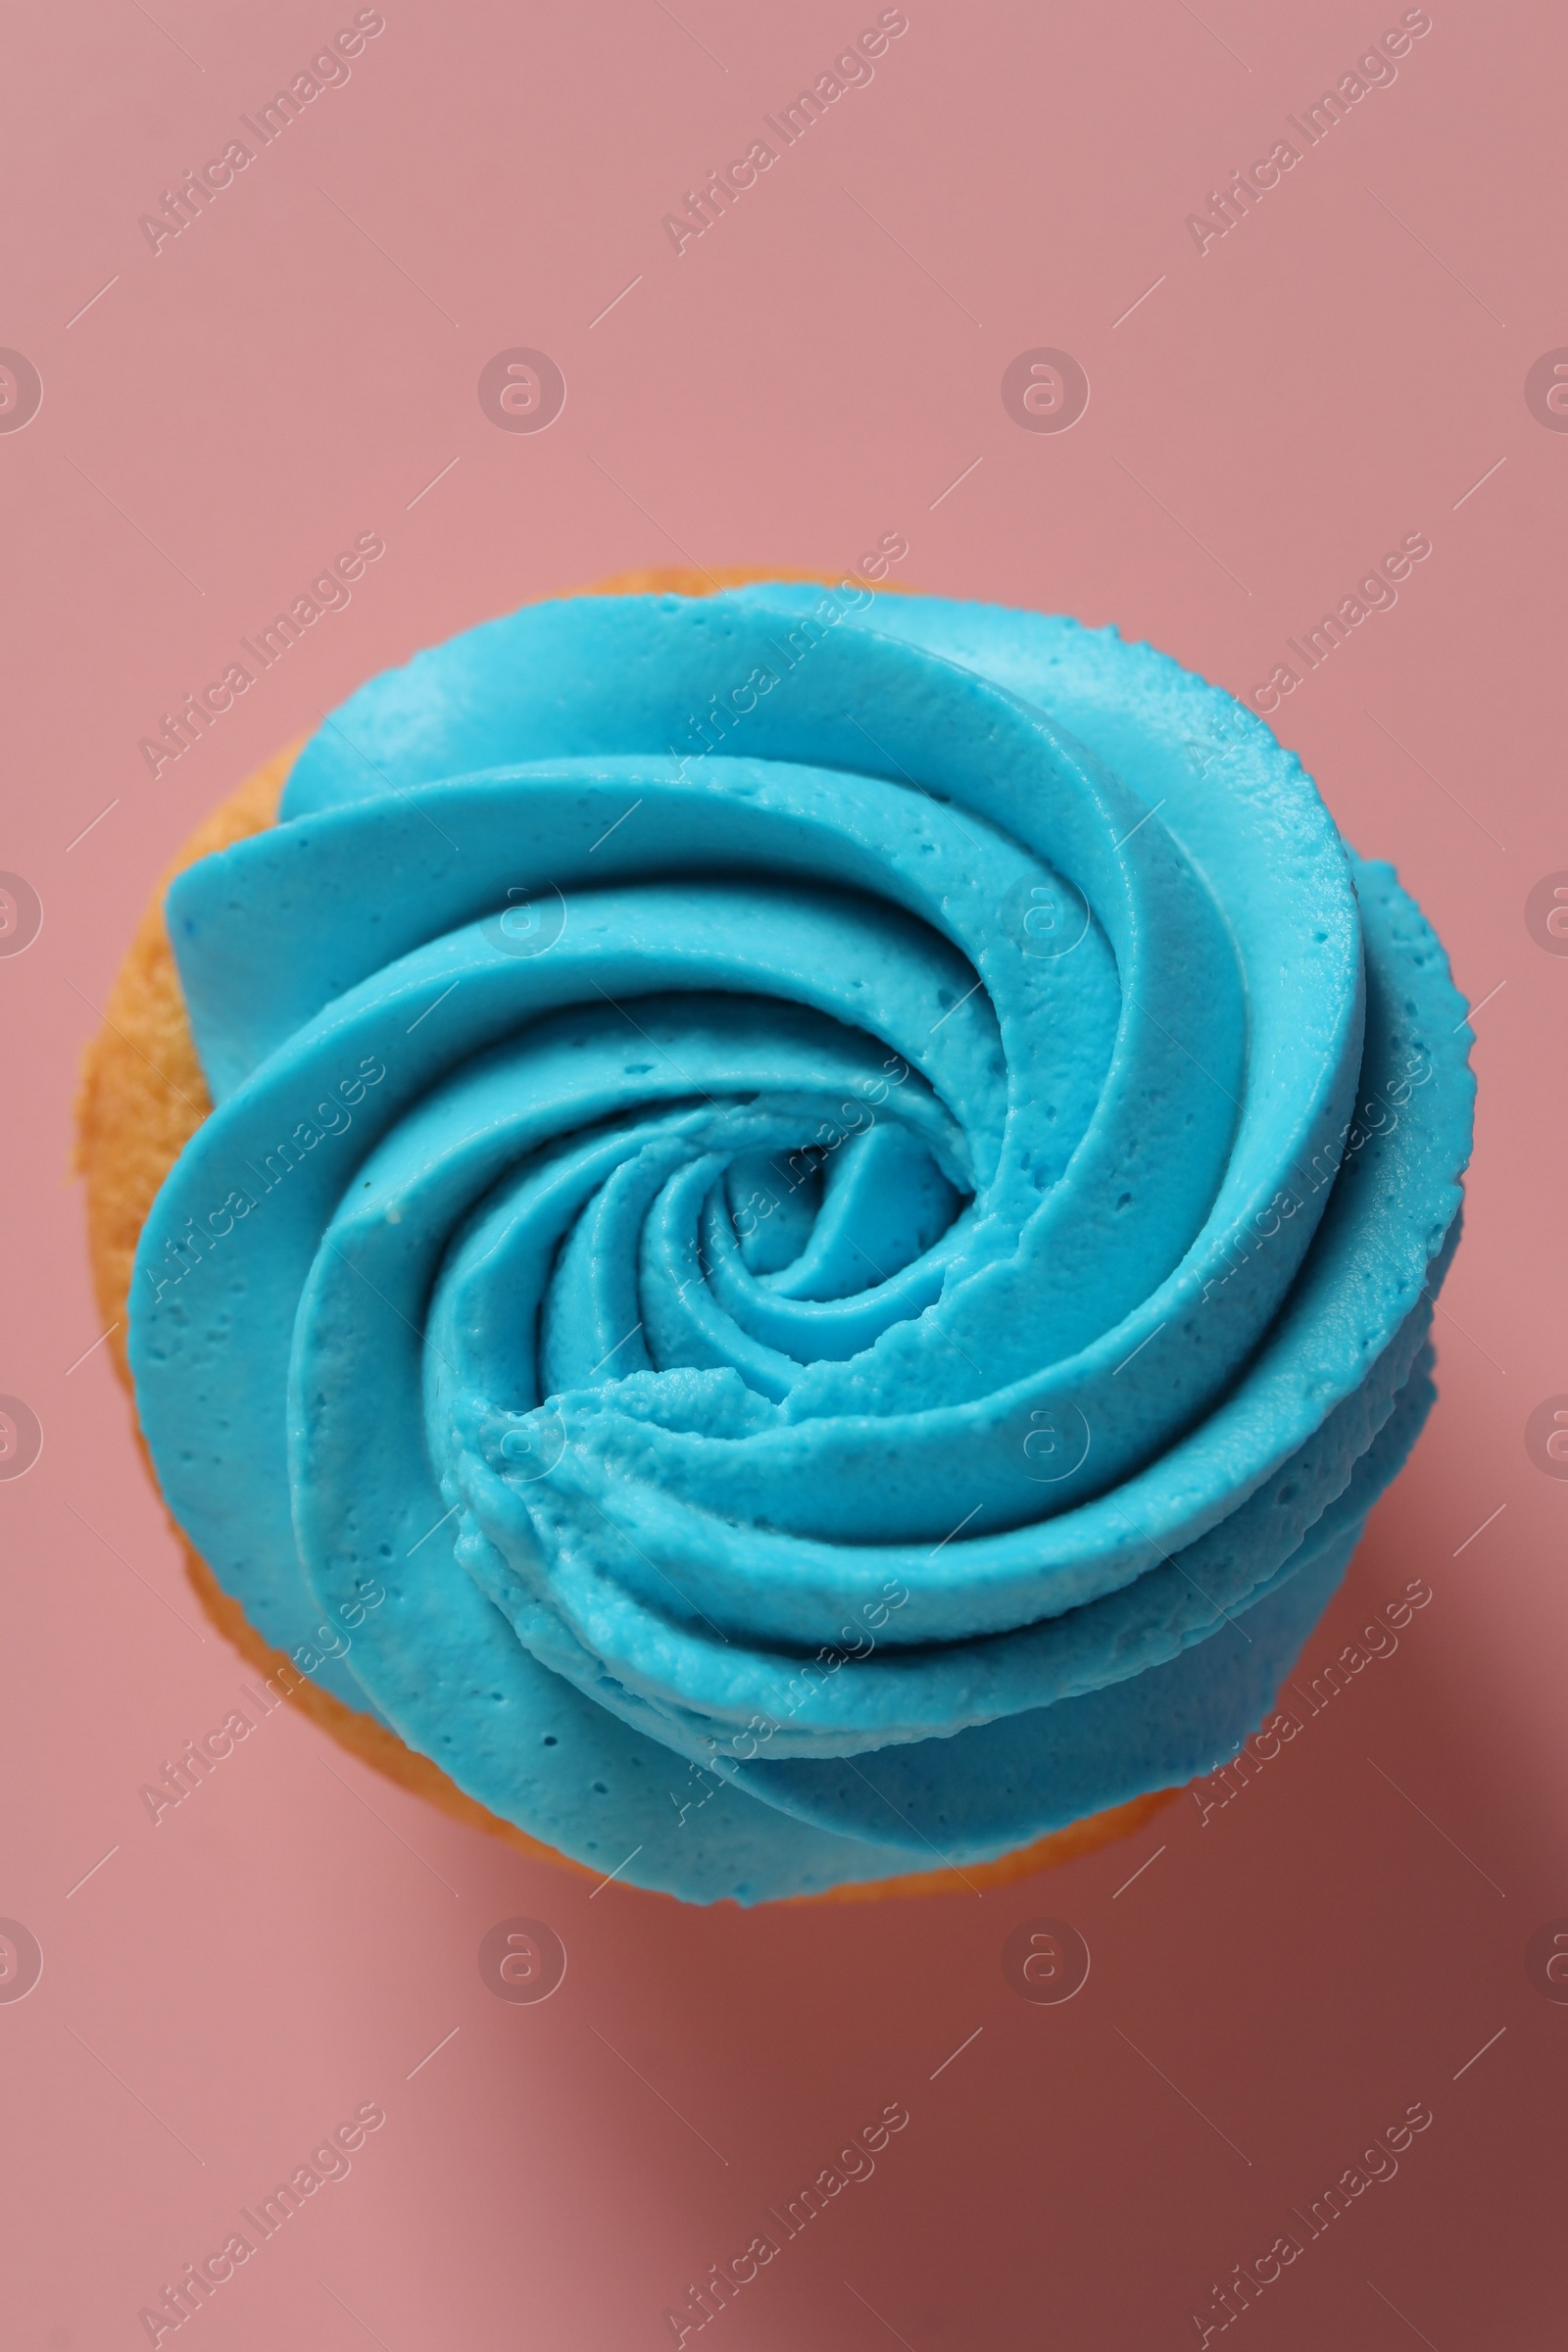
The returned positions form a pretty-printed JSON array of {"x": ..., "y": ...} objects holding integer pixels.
[{"x": 1341, "y": 369}]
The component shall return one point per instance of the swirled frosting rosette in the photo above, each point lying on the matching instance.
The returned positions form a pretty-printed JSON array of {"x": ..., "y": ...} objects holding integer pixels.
[{"x": 819, "y": 1224}]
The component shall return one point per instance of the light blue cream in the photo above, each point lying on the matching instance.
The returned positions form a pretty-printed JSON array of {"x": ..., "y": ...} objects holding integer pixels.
[{"x": 837, "y": 1198}]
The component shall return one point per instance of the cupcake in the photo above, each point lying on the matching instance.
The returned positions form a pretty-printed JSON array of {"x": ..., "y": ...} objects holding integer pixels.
[{"x": 776, "y": 1240}]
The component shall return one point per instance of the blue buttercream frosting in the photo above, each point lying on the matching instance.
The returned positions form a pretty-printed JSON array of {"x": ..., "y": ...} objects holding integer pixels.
[{"x": 818, "y": 1228}]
